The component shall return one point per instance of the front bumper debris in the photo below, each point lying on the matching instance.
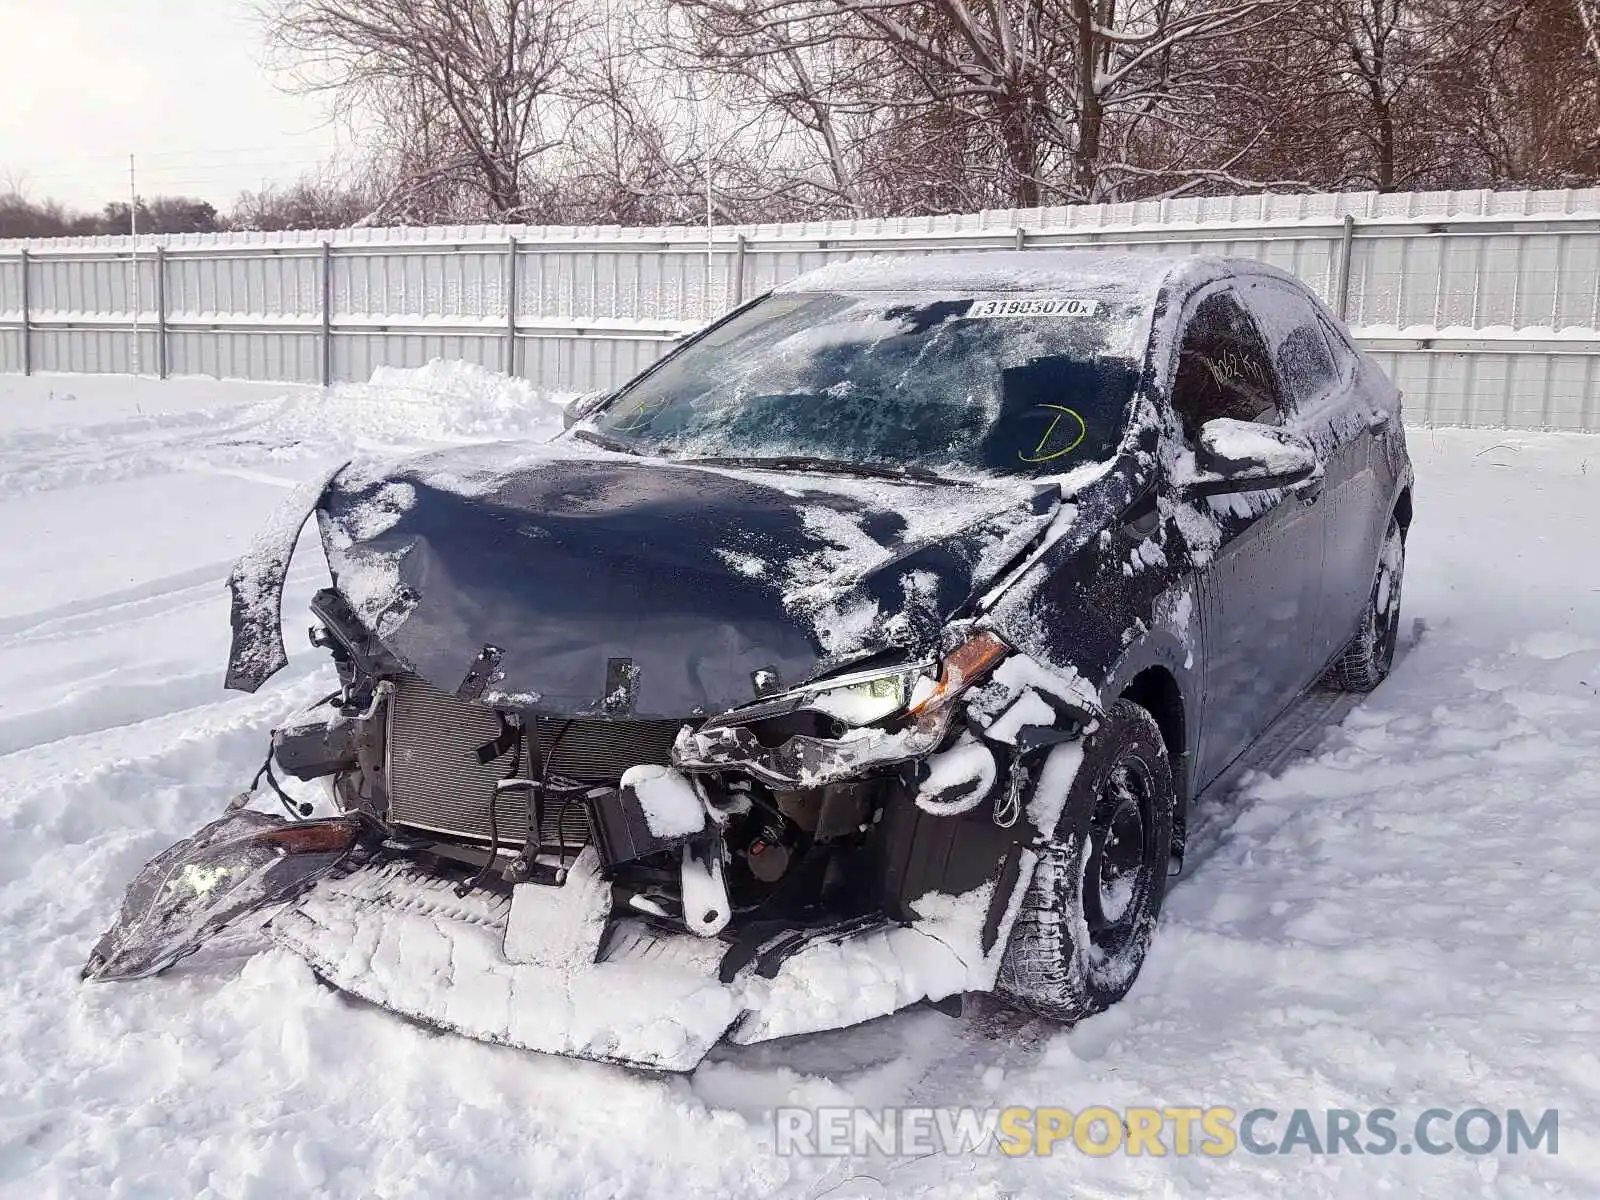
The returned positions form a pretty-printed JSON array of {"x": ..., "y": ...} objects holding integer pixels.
[{"x": 625, "y": 993}]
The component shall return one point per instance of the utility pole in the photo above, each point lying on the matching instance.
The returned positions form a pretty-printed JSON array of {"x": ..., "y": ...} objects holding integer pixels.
[
  {"x": 133, "y": 258},
  {"x": 711, "y": 249}
]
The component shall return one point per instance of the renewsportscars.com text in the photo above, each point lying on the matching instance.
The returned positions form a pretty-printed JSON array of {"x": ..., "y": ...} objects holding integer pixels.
[{"x": 1157, "y": 1131}]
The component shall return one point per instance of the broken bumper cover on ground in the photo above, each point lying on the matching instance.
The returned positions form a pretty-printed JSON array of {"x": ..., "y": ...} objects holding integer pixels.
[{"x": 406, "y": 941}]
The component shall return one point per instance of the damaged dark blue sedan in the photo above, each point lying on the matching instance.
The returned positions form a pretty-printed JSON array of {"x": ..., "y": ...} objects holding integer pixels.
[{"x": 869, "y": 649}]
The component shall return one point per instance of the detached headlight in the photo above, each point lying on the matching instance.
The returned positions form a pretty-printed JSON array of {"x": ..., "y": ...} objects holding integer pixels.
[{"x": 917, "y": 690}]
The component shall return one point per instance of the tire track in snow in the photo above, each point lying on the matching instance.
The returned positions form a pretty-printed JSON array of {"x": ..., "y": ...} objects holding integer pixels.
[
  {"x": 105, "y": 692},
  {"x": 142, "y": 602},
  {"x": 64, "y": 620},
  {"x": 53, "y": 459}
]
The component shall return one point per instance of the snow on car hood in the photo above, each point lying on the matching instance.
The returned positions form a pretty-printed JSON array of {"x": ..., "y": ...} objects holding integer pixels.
[{"x": 580, "y": 581}]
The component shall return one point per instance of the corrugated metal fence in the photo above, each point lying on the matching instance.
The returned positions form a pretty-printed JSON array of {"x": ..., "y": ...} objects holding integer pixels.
[{"x": 1484, "y": 306}]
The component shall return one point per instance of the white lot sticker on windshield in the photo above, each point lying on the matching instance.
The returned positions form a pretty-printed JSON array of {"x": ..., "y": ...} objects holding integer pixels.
[{"x": 1070, "y": 307}]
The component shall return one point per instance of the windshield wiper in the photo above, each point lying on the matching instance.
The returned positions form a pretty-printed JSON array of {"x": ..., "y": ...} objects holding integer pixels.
[
  {"x": 837, "y": 466},
  {"x": 606, "y": 443}
]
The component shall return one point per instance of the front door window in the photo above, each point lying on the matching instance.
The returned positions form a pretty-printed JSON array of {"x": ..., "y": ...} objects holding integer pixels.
[{"x": 1223, "y": 369}]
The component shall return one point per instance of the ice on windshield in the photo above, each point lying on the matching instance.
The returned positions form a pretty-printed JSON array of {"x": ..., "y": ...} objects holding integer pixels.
[{"x": 997, "y": 383}]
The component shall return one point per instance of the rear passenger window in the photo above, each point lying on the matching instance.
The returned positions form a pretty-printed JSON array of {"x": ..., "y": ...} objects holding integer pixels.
[
  {"x": 1305, "y": 365},
  {"x": 1223, "y": 368},
  {"x": 1300, "y": 349}
]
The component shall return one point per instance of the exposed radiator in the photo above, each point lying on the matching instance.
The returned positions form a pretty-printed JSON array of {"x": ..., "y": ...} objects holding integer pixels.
[{"x": 437, "y": 784}]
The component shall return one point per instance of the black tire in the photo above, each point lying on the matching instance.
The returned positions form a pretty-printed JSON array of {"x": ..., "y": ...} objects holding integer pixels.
[
  {"x": 1076, "y": 949},
  {"x": 1365, "y": 662}
]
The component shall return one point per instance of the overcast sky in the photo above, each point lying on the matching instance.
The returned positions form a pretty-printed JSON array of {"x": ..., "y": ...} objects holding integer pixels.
[{"x": 176, "y": 82}]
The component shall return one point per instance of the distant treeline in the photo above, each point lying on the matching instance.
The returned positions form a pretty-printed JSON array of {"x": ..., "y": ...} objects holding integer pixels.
[{"x": 311, "y": 203}]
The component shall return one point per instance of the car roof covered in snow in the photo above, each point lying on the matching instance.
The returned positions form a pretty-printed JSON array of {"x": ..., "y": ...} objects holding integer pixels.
[{"x": 1014, "y": 271}]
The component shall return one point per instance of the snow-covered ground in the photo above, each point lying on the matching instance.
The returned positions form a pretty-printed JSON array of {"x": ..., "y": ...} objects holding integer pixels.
[{"x": 1406, "y": 919}]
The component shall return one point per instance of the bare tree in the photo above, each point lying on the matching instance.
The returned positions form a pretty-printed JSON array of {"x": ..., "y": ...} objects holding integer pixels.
[
  {"x": 647, "y": 137},
  {"x": 319, "y": 199},
  {"x": 464, "y": 92},
  {"x": 1044, "y": 93},
  {"x": 1520, "y": 83},
  {"x": 1589, "y": 17},
  {"x": 21, "y": 217},
  {"x": 664, "y": 138},
  {"x": 1344, "y": 94},
  {"x": 1588, "y": 12}
]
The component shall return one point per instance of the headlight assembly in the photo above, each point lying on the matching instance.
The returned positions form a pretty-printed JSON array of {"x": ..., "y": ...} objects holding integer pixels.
[
  {"x": 917, "y": 690},
  {"x": 961, "y": 668},
  {"x": 865, "y": 703},
  {"x": 864, "y": 699}
]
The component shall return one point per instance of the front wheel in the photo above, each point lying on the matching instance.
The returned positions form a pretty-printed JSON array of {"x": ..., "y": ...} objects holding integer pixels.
[
  {"x": 1365, "y": 662},
  {"x": 1090, "y": 911}
]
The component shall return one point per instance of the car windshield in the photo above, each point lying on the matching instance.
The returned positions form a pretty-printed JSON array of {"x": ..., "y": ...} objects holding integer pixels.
[{"x": 986, "y": 384}]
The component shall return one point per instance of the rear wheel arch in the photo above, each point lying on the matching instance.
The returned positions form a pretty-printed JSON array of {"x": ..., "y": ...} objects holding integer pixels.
[{"x": 1366, "y": 659}]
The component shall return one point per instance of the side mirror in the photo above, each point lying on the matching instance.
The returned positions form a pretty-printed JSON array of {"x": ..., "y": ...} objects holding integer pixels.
[
  {"x": 1243, "y": 456},
  {"x": 580, "y": 406}
]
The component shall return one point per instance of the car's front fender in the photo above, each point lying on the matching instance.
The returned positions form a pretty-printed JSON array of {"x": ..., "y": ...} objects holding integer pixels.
[{"x": 257, "y": 653}]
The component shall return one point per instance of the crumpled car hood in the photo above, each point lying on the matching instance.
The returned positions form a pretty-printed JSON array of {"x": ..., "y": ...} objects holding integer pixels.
[
  {"x": 537, "y": 570},
  {"x": 565, "y": 581}
]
